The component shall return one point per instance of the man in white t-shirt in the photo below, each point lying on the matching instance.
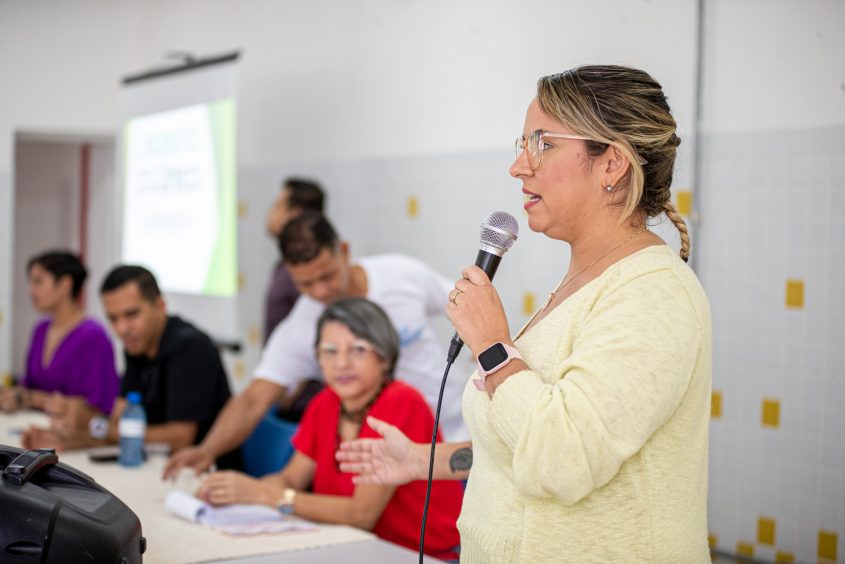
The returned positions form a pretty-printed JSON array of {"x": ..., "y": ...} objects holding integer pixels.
[{"x": 410, "y": 292}]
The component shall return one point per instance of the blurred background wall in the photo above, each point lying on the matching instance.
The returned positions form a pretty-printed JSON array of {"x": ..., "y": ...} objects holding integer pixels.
[{"x": 407, "y": 110}]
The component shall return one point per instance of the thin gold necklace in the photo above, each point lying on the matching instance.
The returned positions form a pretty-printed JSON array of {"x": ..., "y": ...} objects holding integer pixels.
[{"x": 564, "y": 283}]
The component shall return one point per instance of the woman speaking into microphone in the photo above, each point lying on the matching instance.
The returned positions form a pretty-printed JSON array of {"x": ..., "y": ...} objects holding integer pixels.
[{"x": 589, "y": 427}]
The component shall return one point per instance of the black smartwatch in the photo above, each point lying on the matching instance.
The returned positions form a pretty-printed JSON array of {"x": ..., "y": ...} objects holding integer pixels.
[{"x": 492, "y": 359}]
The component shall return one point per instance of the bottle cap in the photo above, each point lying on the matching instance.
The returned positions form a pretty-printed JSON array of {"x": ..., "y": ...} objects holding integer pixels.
[{"x": 134, "y": 397}]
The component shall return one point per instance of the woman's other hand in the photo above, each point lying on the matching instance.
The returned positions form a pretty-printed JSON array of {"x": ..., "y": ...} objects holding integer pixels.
[
  {"x": 476, "y": 311},
  {"x": 228, "y": 487},
  {"x": 38, "y": 437},
  {"x": 392, "y": 460},
  {"x": 69, "y": 415}
]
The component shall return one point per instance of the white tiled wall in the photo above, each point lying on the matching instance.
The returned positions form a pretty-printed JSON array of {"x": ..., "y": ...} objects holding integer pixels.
[{"x": 773, "y": 210}]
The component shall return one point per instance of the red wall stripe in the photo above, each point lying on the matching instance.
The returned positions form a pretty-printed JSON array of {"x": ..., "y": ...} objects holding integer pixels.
[{"x": 84, "y": 199}]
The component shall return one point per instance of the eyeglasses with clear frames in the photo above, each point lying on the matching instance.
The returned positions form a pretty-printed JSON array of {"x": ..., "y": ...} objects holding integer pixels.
[
  {"x": 329, "y": 352},
  {"x": 535, "y": 144}
]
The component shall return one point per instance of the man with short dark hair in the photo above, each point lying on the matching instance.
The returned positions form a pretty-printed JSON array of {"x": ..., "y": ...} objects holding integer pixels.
[
  {"x": 296, "y": 196},
  {"x": 173, "y": 365},
  {"x": 410, "y": 293}
]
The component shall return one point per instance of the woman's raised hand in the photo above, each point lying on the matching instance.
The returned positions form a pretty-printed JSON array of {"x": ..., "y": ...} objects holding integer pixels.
[
  {"x": 476, "y": 311},
  {"x": 392, "y": 460}
]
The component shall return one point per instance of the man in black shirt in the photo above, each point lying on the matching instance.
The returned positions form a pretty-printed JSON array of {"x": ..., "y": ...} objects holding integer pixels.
[{"x": 175, "y": 367}]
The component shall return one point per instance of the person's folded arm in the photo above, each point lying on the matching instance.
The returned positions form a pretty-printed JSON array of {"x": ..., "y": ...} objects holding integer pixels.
[{"x": 629, "y": 369}]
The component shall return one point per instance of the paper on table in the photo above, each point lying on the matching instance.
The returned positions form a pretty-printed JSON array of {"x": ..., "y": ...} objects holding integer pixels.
[
  {"x": 238, "y": 519},
  {"x": 193, "y": 509},
  {"x": 185, "y": 506}
]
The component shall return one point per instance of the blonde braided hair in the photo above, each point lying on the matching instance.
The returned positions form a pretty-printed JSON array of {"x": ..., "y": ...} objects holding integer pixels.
[{"x": 681, "y": 225}]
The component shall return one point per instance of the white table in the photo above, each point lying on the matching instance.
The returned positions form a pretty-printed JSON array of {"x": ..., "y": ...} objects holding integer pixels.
[
  {"x": 366, "y": 552},
  {"x": 173, "y": 540}
]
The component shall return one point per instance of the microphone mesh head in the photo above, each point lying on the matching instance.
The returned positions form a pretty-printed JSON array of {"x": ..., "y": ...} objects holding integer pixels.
[{"x": 500, "y": 229}]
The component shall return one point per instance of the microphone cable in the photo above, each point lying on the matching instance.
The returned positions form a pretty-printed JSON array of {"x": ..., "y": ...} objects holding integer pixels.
[
  {"x": 449, "y": 361},
  {"x": 498, "y": 233}
]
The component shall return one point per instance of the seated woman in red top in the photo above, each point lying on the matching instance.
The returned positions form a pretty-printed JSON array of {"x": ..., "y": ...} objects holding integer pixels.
[{"x": 357, "y": 348}]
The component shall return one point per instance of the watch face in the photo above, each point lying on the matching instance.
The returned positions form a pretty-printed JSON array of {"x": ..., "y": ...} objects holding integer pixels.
[
  {"x": 493, "y": 357},
  {"x": 98, "y": 427},
  {"x": 286, "y": 509}
]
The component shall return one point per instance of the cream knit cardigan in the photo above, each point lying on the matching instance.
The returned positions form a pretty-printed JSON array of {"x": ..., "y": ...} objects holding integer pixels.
[{"x": 598, "y": 453}]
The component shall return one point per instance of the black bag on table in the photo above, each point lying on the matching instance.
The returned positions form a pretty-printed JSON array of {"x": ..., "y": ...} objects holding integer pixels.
[{"x": 50, "y": 512}]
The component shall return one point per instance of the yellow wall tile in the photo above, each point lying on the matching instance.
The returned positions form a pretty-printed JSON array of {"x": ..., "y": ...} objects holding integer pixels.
[
  {"x": 716, "y": 405},
  {"x": 412, "y": 207},
  {"x": 784, "y": 556},
  {"x": 528, "y": 303},
  {"x": 254, "y": 336},
  {"x": 240, "y": 370},
  {"x": 827, "y": 544},
  {"x": 744, "y": 548},
  {"x": 712, "y": 541},
  {"x": 684, "y": 202},
  {"x": 766, "y": 531},
  {"x": 795, "y": 294},
  {"x": 770, "y": 413}
]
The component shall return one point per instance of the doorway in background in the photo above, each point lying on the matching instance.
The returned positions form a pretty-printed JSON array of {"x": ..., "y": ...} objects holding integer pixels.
[{"x": 65, "y": 198}]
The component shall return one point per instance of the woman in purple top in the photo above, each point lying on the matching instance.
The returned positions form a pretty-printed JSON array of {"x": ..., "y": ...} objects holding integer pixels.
[{"x": 69, "y": 354}]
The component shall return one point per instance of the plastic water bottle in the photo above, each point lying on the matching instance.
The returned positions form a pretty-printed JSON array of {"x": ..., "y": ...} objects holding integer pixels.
[{"x": 132, "y": 426}]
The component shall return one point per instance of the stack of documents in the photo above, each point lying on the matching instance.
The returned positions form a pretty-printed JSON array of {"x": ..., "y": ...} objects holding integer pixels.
[{"x": 238, "y": 519}]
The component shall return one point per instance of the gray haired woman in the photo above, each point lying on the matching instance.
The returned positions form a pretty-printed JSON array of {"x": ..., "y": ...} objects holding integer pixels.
[{"x": 357, "y": 348}]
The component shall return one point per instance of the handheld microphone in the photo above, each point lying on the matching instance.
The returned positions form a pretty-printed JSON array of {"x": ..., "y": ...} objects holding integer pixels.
[{"x": 498, "y": 234}]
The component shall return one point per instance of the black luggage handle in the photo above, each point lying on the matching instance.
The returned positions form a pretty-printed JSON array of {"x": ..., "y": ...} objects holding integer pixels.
[{"x": 22, "y": 468}]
